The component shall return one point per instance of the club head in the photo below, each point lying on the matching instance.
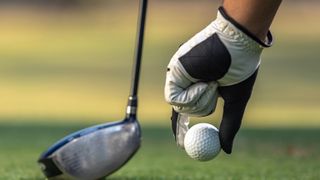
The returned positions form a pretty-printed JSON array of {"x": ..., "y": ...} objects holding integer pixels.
[{"x": 92, "y": 153}]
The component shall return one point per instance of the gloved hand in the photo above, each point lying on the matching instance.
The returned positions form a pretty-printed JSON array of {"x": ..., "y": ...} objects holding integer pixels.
[
  {"x": 222, "y": 54},
  {"x": 221, "y": 60}
]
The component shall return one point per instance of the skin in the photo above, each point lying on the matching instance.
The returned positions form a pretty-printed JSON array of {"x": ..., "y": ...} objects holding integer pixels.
[{"x": 255, "y": 15}]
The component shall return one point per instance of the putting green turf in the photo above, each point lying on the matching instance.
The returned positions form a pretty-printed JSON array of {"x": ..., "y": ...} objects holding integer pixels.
[{"x": 258, "y": 154}]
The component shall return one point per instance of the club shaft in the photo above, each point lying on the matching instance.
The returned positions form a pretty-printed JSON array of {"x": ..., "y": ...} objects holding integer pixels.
[{"x": 138, "y": 54}]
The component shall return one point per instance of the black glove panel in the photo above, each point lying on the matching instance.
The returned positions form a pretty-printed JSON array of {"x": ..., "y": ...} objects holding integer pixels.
[
  {"x": 235, "y": 101},
  {"x": 208, "y": 60}
]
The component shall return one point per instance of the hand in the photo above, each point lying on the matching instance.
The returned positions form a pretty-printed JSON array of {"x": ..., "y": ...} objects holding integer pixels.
[{"x": 222, "y": 54}]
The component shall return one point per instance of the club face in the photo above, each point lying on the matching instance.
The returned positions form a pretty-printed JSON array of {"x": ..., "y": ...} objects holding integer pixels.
[{"x": 100, "y": 152}]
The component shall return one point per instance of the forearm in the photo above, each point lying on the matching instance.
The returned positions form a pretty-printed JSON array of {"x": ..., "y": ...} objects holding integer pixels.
[{"x": 255, "y": 15}]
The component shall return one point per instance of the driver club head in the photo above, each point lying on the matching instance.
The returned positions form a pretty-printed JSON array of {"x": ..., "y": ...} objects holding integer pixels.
[{"x": 92, "y": 153}]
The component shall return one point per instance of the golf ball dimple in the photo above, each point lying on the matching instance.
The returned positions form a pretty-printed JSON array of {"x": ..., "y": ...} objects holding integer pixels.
[{"x": 202, "y": 142}]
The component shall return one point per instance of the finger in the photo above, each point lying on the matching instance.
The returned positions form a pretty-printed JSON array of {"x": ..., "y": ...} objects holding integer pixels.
[
  {"x": 211, "y": 97},
  {"x": 178, "y": 96},
  {"x": 205, "y": 105}
]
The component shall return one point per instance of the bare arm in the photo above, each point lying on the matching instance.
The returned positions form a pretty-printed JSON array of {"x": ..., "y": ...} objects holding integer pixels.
[{"x": 255, "y": 15}]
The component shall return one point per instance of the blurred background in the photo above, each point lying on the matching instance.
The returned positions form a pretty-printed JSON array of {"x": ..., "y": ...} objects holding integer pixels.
[
  {"x": 70, "y": 61},
  {"x": 66, "y": 65}
]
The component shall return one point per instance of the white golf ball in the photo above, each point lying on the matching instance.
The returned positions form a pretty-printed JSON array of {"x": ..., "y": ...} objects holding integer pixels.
[{"x": 202, "y": 142}]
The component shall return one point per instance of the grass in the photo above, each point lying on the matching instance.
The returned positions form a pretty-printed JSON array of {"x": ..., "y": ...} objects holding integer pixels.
[{"x": 258, "y": 154}]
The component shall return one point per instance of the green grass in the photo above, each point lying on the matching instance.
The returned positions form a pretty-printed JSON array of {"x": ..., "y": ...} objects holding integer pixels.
[{"x": 258, "y": 154}]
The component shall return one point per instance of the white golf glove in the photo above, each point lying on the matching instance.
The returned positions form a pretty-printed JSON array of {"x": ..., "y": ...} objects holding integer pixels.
[{"x": 222, "y": 54}]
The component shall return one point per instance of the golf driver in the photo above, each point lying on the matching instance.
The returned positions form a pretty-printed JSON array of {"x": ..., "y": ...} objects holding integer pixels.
[{"x": 98, "y": 151}]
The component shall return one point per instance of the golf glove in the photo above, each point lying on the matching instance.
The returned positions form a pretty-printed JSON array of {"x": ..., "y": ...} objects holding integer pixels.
[
  {"x": 222, "y": 54},
  {"x": 221, "y": 60}
]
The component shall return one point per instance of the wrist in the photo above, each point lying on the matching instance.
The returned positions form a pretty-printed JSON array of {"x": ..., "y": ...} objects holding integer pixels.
[{"x": 264, "y": 38}]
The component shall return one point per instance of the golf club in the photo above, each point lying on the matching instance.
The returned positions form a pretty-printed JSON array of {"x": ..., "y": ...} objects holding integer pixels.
[{"x": 98, "y": 151}]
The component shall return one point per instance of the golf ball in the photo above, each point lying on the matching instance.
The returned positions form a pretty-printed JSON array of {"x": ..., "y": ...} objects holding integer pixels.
[{"x": 202, "y": 142}]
